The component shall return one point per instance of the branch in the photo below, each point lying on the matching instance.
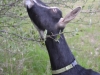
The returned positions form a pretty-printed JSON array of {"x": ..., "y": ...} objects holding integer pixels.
[
  {"x": 59, "y": 34},
  {"x": 8, "y": 6},
  {"x": 90, "y": 11},
  {"x": 29, "y": 39}
]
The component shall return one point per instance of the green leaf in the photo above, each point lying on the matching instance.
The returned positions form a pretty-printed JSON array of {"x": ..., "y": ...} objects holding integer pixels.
[{"x": 57, "y": 38}]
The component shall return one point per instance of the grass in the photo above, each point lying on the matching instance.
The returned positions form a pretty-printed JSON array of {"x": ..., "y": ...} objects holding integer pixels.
[
  {"x": 85, "y": 42},
  {"x": 22, "y": 57},
  {"x": 85, "y": 46}
]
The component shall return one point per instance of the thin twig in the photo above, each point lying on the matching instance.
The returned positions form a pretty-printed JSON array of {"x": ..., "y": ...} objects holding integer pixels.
[
  {"x": 59, "y": 34},
  {"x": 90, "y": 11},
  {"x": 9, "y": 6},
  {"x": 29, "y": 39}
]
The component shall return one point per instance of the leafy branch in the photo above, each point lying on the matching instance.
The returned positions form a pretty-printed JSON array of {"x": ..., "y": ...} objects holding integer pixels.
[
  {"x": 31, "y": 39},
  {"x": 19, "y": 36}
]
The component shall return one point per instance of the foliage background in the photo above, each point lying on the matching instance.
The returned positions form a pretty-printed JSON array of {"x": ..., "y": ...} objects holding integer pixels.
[{"x": 22, "y": 53}]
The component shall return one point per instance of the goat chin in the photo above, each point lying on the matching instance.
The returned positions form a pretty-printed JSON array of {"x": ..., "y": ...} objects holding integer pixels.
[
  {"x": 41, "y": 32},
  {"x": 28, "y": 3}
]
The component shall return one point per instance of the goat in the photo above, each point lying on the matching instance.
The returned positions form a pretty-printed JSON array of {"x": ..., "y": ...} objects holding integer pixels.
[{"x": 50, "y": 18}]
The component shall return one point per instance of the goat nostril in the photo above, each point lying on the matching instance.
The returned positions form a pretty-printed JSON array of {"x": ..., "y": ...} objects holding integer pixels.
[{"x": 54, "y": 10}]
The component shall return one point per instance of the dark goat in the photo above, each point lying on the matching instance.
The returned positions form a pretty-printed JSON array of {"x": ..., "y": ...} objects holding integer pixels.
[{"x": 50, "y": 19}]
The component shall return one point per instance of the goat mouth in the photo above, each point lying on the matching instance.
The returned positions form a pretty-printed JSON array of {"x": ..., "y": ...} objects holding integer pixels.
[{"x": 41, "y": 32}]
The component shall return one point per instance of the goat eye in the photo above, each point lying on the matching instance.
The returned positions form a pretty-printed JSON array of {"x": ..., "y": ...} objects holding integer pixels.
[{"x": 54, "y": 10}]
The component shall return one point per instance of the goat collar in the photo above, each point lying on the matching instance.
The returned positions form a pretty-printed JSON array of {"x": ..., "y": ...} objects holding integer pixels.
[{"x": 68, "y": 67}]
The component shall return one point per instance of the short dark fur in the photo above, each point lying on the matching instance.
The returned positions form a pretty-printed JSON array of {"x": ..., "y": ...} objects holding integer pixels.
[
  {"x": 59, "y": 52},
  {"x": 40, "y": 15}
]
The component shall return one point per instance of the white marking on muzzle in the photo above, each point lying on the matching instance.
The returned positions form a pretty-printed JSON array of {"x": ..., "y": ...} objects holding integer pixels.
[{"x": 28, "y": 3}]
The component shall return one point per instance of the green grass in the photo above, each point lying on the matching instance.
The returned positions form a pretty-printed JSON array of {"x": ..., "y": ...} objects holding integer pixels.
[
  {"x": 85, "y": 43},
  {"x": 23, "y": 57},
  {"x": 85, "y": 46}
]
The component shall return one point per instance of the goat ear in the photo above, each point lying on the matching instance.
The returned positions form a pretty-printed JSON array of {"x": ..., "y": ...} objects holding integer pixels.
[{"x": 63, "y": 21}]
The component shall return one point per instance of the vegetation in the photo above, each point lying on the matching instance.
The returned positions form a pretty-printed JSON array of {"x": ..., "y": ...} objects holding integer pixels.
[{"x": 22, "y": 52}]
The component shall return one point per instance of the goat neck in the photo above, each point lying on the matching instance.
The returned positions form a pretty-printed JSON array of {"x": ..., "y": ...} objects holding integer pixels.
[{"x": 59, "y": 52}]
